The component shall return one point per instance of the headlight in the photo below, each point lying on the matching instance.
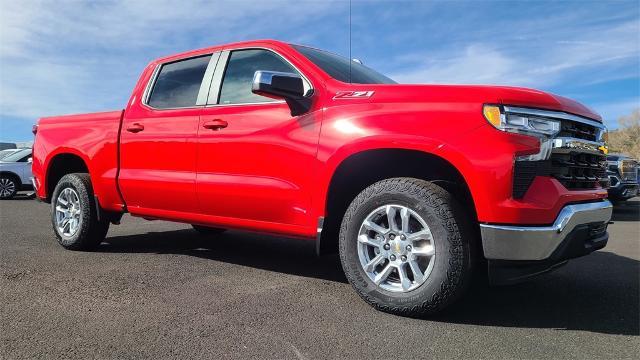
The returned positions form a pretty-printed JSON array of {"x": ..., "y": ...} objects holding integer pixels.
[{"x": 520, "y": 123}]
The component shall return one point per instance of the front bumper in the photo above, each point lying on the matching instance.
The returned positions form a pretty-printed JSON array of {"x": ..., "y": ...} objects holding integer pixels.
[{"x": 519, "y": 252}]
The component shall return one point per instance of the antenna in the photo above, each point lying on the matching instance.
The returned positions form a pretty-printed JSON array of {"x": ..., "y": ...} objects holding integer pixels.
[{"x": 350, "y": 42}]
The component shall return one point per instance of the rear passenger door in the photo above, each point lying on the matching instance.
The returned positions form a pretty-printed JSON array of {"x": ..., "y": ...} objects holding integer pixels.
[
  {"x": 158, "y": 139},
  {"x": 255, "y": 160}
]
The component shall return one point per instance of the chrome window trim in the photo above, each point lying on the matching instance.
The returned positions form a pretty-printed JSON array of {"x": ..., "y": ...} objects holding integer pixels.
[
  {"x": 553, "y": 114},
  {"x": 152, "y": 80},
  {"x": 218, "y": 74},
  {"x": 223, "y": 69},
  {"x": 205, "y": 84},
  {"x": 244, "y": 104}
]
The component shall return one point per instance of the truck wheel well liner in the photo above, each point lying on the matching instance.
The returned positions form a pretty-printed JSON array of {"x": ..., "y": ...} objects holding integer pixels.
[{"x": 61, "y": 165}]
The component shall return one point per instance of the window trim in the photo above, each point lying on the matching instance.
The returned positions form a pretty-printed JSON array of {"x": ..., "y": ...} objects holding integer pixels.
[
  {"x": 207, "y": 77},
  {"x": 221, "y": 69}
]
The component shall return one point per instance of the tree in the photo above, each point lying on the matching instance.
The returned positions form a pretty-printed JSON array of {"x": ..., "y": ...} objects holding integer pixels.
[{"x": 626, "y": 139}]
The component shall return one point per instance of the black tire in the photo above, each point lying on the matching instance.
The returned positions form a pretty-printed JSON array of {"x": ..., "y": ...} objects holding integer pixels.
[
  {"x": 9, "y": 183},
  {"x": 90, "y": 232},
  {"x": 207, "y": 230},
  {"x": 453, "y": 239}
]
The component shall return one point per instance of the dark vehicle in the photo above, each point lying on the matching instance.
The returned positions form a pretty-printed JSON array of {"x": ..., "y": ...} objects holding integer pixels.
[
  {"x": 6, "y": 145},
  {"x": 623, "y": 177}
]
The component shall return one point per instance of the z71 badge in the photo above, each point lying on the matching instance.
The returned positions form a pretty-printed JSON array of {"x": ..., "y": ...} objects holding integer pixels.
[{"x": 353, "y": 94}]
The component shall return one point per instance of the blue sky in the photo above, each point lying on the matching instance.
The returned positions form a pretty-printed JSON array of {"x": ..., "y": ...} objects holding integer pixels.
[{"x": 70, "y": 56}]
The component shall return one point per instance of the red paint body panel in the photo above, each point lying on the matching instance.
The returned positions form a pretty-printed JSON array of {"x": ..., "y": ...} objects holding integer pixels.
[
  {"x": 92, "y": 137},
  {"x": 269, "y": 171},
  {"x": 157, "y": 165},
  {"x": 264, "y": 157}
]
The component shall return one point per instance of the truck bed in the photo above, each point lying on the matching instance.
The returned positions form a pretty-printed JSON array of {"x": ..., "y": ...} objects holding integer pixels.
[{"x": 93, "y": 138}]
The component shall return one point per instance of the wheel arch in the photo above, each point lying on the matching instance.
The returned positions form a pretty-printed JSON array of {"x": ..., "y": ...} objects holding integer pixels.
[
  {"x": 61, "y": 164},
  {"x": 352, "y": 175},
  {"x": 13, "y": 175}
]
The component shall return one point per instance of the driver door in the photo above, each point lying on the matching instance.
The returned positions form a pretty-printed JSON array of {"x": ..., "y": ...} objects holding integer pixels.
[{"x": 256, "y": 163}]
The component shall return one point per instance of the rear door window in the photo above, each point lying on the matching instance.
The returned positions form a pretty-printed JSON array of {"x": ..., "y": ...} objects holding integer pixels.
[{"x": 178, "y": 83}]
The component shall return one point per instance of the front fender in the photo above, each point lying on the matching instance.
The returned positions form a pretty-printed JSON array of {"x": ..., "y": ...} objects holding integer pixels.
[
  {"x": 481, "y": 154},
  {"x": 380, "y": 126}
]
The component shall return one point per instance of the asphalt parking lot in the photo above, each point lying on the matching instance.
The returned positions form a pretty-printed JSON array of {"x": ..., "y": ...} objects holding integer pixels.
[{"x": 158, "y": 290}]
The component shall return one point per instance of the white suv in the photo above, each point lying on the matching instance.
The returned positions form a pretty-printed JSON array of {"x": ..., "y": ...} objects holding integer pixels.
[{"x": 15, "y": 173}]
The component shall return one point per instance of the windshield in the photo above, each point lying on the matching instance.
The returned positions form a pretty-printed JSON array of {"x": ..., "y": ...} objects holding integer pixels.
[
  {"x": 343, "y": 69},
  {"x": 17, "y": 156},
  {"x": 5, "y": 153}
]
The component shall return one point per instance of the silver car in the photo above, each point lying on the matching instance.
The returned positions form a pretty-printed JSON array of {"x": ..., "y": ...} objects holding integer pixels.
[
  {"x": 15, "y": 173},
  {"x": 7, "y": 152}
]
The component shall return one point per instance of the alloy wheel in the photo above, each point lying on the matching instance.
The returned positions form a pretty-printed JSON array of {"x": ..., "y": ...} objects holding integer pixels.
[
  {"x": 396, "y": 248},
  {"x": 7, "y": 187},
  {"x": 68, "y": 212}
]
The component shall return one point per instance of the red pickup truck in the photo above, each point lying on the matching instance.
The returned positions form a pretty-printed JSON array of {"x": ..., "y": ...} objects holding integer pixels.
[{"x": 416, "y": 186}]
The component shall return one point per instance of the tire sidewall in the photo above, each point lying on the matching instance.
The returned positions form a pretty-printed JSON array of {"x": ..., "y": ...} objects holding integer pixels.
[
  {"x": 74, "y": 182},
  {"x": 446, "y": 258}
]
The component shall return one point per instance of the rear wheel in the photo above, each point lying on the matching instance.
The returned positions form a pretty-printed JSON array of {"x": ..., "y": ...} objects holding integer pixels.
[
  {"x": 74, "y": 215},
  {"x": 405, "y": 248},
  {"x": 206, "y": 230},
  {"x": 8, "y": 187}
]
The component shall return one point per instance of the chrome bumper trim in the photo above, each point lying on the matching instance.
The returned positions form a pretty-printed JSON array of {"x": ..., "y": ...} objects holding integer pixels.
[
  {"x": 33, "y": 183},
  {"x": 502, "y": 242}
]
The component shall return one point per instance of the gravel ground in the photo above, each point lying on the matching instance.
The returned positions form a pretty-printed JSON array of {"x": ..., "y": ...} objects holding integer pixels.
[{"x": 158, "y": 290}]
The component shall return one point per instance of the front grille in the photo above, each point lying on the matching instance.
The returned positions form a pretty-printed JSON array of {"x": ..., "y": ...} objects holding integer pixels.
[
  {"x": 573, "y": 156},
  {"x": 629, "y": 170},
  {"x": 575, "y": 170},
  {"x": 579, "y": 171},
  {"x": 577, "y": 130},
  {"x": 524, "y": 172}
]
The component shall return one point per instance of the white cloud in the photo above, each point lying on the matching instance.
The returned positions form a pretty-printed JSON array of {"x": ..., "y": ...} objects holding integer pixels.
[
  {"x": 75, "y": 56},
  {"x": 477, "y": 64},
  {"x": 534, "y": 62}
]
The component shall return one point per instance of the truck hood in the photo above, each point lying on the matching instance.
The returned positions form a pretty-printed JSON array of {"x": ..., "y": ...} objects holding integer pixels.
[
  {"x": 540, "y": 99},
  {"x": 507, "y": 95}
]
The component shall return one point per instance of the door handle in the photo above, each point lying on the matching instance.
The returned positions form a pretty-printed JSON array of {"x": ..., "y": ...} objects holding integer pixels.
[
  {"x": 215, "y": 124},
  {"x": 135, "y": 128}
]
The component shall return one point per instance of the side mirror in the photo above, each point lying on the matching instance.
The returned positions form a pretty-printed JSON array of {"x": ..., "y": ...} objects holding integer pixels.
[
  {"x": 30, "y": 160},
  {"x": 281, "y": 85}
]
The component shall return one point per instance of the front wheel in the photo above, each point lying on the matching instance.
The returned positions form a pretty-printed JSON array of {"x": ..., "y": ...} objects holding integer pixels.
[
  {"x": 73, "y": 214},
  {"x": 405, "y": 248}
]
